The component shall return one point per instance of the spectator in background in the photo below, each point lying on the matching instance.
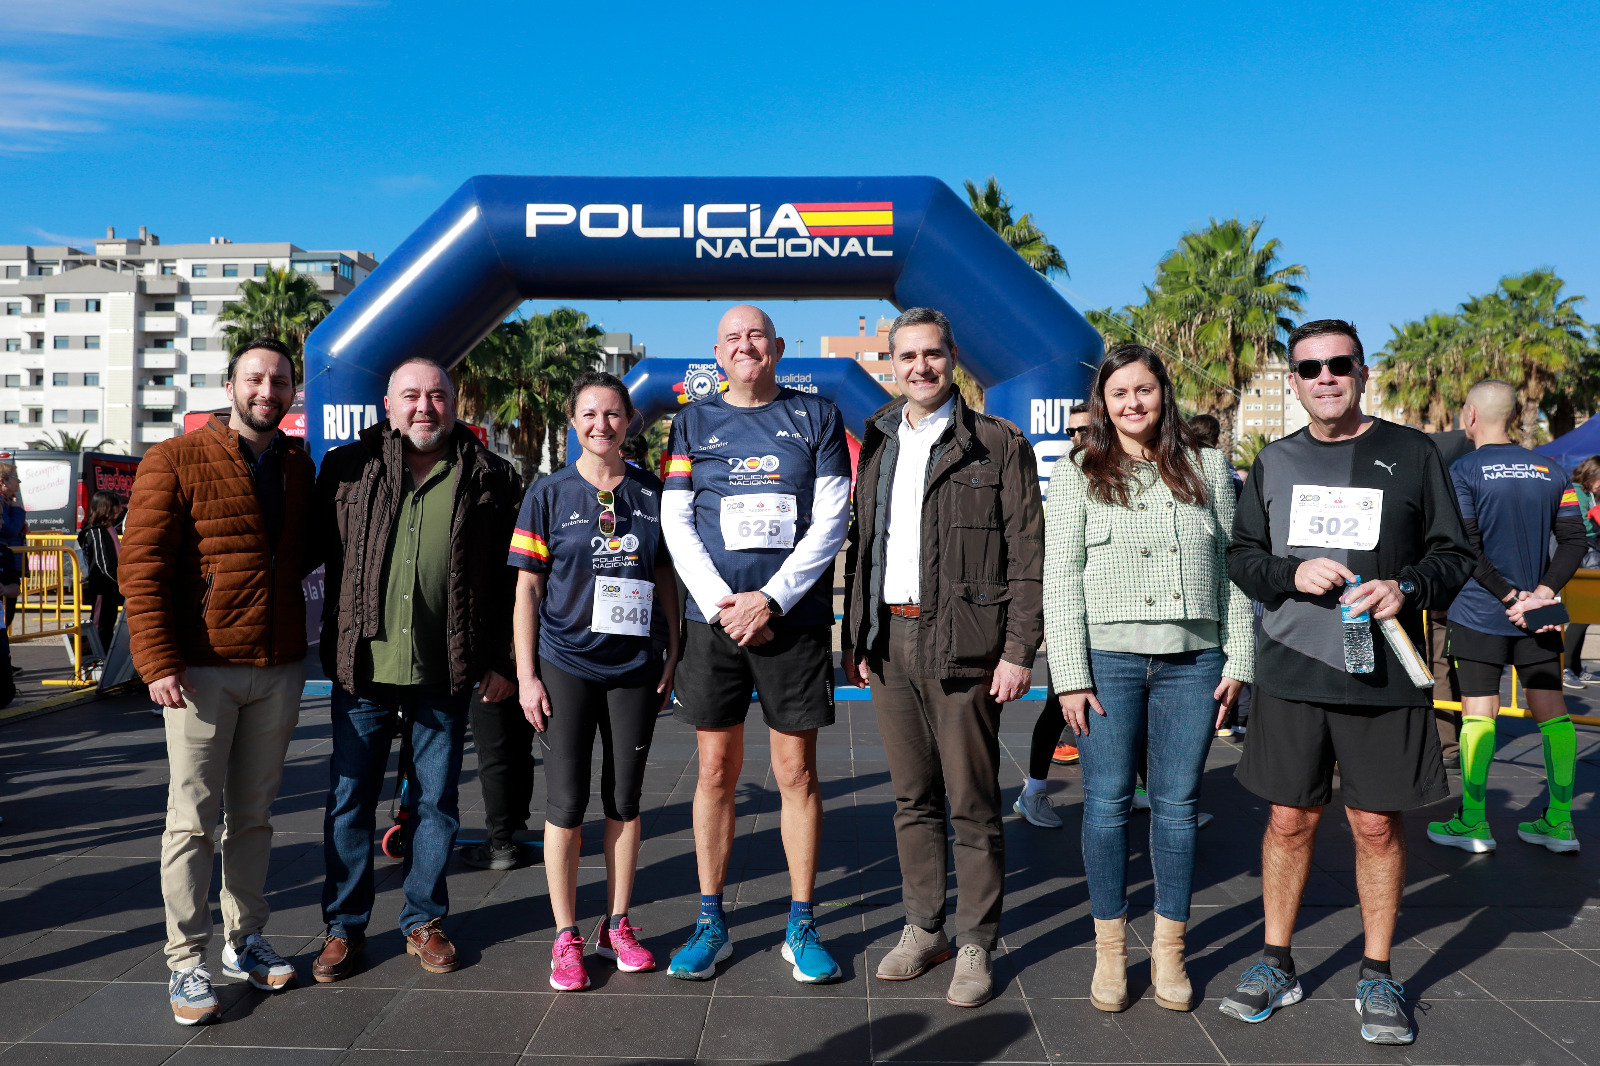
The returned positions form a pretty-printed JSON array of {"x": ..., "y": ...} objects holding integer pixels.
[
  {"x": 101, "y": 545},
  {"x": 1452, "y": 445},
  {"x": 636, "y": 451},
  {"x": 13, "y": 526},
  {"x": 1586, "y": 480},
  {"x": 1048, "y": 746}
]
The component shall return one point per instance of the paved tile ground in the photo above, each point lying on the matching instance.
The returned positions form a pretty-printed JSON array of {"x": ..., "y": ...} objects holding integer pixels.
[{"x": 1501, "y": 952}]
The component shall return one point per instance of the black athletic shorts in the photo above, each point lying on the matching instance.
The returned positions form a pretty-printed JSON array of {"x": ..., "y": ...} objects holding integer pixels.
[
  {"x": 792, "y": 674},
  {"x": 1388, "y": 757},
  {"x": 1480, "y": 657}
]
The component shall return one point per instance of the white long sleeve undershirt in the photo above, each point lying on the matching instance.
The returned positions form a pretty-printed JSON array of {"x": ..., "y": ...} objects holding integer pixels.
[{"x": 811, "y": 557}]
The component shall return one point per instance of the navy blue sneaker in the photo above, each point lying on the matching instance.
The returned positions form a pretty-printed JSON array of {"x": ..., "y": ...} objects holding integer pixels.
[
  {"x": 1381, "y": 1002},
  {"x": 708, "y": 945},
  {"x": 1263, "y": 989},
  {"x": 803, "y": 949}
]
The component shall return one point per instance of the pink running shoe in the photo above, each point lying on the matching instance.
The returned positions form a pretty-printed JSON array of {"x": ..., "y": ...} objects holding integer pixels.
[
  {"x": 622, "y": 944},
  {"x": 566, "y": 964}
]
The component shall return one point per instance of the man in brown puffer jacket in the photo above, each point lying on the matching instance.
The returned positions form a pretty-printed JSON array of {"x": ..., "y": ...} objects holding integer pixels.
[{"x": 215, "y": 546}]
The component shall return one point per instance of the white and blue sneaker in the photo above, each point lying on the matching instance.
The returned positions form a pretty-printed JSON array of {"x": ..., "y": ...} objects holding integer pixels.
[
  {"x": 193, "y": 1002},
  {"x": 802, "y": 948},
  {"x": 1381, "y": 1002},
  {"x": 258, "y": 964},
  {"x": 708, "y": 945},
  {"x": 1263, "y": 989}
]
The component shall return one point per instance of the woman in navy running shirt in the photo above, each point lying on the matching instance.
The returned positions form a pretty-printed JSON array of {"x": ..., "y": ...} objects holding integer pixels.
[{"x": 595, "y": 591}]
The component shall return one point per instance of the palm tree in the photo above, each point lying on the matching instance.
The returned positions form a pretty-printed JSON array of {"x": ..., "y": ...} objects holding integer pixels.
[
  {"x": 520, "y": 374},
  {"x": 566, "y": 346},
  {"x": 1425, "y": 369},
  {"x": 67, "y": 441},
  {"x": 1529, "y": 335},
  {"x": 1249, "y": 446},
  {"x": 282, "y": 304},
  {"x": 1220, "y": 309},
  {"x": 1028, "y": 240}
]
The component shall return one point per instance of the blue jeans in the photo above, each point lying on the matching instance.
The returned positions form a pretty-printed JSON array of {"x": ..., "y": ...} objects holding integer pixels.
[
  {"x": 1165, "y": 703},
  {"x": 364, "y": 727}
]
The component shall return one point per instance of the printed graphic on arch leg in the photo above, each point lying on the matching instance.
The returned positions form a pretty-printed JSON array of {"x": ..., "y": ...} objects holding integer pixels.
[{"x": 911, "y": 241}]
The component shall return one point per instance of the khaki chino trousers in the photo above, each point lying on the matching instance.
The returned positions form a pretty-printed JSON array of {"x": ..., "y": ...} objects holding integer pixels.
[
  {"x": 225, "y": 752},
  {"x": 942, "y": 740}
]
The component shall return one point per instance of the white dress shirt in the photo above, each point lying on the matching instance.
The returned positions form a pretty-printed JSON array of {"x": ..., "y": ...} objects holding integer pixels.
[{"x": 902, "y": 548}]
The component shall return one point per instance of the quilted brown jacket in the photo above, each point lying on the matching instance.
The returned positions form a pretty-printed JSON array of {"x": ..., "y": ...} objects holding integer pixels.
[
  {"x": 202, "y": 582},
  {"x": 358, "y": 498}
]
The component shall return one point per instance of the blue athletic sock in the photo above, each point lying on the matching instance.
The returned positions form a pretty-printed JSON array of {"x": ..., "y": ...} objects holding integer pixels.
[
  {"x": 711, "y": 907},
  {"x": 799, "y": 910}
]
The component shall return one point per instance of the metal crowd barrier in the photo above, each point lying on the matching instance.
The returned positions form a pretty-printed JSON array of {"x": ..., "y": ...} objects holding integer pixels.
[{"x": 51, "y": 603}]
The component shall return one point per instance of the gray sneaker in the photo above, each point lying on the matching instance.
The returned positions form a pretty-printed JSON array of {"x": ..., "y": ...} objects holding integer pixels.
[
  {"x": 1381, "y": 1002},
  {"x": 1037, "y": 810},
  {"x": 972, "y": 983},
  {"x": 917, "y": 951},
  {"x": 193, "y": 1001},
  {"x": 1572, "y": 680}
]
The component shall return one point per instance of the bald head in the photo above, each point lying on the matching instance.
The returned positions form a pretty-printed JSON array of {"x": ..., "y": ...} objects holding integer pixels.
[
  {"x": 748, "y": 349},
  {"x": 740, "y": 316},
  {"x": 1488, "y": 411}
]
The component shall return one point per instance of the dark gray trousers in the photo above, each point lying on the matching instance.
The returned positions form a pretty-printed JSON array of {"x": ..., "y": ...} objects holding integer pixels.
[{"x": 942, "y": 739}]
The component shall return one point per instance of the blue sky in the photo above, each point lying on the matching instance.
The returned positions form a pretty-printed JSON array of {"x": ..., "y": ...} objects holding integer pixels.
[{"x": 1408, "y": 155}]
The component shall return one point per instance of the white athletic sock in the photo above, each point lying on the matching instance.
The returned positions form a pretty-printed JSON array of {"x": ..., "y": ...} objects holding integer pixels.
[{"x": 1034, "y": 786}]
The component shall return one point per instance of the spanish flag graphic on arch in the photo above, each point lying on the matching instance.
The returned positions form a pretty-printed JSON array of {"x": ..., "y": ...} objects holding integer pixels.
[{"x": 868, "y": 218}]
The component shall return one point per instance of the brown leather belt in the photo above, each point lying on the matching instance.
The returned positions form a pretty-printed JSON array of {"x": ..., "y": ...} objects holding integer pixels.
[{"x": 906, "y": 610}]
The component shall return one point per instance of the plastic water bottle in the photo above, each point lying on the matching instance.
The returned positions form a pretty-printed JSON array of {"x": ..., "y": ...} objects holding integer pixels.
[{"x": 1358, "y": 652}]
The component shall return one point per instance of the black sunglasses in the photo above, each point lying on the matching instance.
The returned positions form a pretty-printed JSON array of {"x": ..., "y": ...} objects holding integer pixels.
[
  {"x": 1340, "y": 366},
  {"x": 1073, "y": 431}
]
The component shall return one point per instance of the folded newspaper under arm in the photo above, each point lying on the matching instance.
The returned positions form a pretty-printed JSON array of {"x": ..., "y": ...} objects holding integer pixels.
[{"x": 1406, "y": 652}]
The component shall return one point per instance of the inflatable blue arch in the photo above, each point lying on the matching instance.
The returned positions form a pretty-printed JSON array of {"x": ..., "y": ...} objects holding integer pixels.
[{"x": 911, "y": 241}]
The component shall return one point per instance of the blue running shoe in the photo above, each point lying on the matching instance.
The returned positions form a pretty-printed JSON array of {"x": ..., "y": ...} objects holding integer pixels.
[
  {"x": 803, "y": 949},
  {"x": 1381, "y": 1002},
  {"x": 1263, "y": 989},
  {"x": 193, "y": 1002},
  {"x": 708, "y": 945}
]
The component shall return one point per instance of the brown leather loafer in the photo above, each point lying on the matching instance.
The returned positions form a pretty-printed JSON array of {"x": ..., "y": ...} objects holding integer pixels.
[
  {"x": 337, "y": 958},
  {"x": 432, "y": 948}
]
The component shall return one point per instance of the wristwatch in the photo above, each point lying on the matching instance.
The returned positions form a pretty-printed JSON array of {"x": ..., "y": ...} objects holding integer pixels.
[
  {"x": 1408, "y": 588},
  {"x": 772, "y": 606}
]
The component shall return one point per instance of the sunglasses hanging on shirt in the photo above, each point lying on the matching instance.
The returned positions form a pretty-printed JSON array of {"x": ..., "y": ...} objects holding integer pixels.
[{"x": 608, "y": 512}]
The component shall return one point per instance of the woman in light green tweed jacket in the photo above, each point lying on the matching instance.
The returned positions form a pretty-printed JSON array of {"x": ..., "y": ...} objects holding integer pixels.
[{"x": 1149, "y": 644}]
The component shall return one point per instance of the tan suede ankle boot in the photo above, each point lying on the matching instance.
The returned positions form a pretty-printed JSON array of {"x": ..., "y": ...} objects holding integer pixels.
[
  {"x": 1108, "y": 990},
  {"x": 1167, "y": 974}
]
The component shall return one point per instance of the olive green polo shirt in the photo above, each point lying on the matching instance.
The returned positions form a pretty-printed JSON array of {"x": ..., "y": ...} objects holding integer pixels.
[{"x": 411, "y": 647}]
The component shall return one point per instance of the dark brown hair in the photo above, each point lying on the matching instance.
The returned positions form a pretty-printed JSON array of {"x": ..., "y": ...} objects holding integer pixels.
[
  {"x": 1109, "y": 469},
  {"x": 599, "y": 379},
  {"x": 1322, "y": 327},
  {"x": 1587, "y": 472},
  {"x": 103, "y": 507}
]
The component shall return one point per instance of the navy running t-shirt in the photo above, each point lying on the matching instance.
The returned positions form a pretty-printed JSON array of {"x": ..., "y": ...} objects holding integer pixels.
[
  {"x": 558, "y": 533},
  {"x": 1515, "y": 496},
  {"x": 764, "y": 461}
]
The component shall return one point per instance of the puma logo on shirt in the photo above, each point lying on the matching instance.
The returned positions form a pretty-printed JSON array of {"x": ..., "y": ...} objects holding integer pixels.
[{"x": 1387, "y": 466}]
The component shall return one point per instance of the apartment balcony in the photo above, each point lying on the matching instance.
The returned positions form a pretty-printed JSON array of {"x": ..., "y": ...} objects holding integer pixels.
[
  {"x": 156, "y": 432},
  {"x": 158, "y": 399},
  {"x": 29, "y": 314},
  {"x": 158, "y": 359},
  {"x": 159, "y": 322}
]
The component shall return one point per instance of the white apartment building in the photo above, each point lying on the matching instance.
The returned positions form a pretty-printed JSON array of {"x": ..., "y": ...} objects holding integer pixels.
[
  {"x": 122, "y": 340},
  {"x": 1268, "y": 404}
]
